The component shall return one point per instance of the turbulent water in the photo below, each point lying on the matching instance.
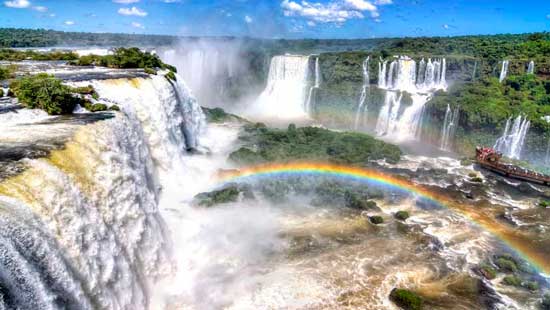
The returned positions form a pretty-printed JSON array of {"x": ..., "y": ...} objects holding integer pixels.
[
  {"x": 285, "y": 95},
  {"x": 82, "y": 228},
  {"x": 420, "y": 82},
  {"x": 362, "y": 106},
  {"x": 97, "y": 209},
  {"x": 450, "y": 125},
  {"x": 504, "y": 70},
  {"x": 510, "y": 144}
]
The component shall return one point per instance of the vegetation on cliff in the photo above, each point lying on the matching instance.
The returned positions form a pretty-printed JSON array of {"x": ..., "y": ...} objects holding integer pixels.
[
  {"x": 44, "y": 91},
  {"x": 125, "y": 58},
  {"x": 20, "y": 55},
  {"x": 262, "y": 144}
]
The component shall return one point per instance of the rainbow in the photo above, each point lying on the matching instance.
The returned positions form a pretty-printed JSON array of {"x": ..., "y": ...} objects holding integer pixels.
[{"x": 519, "y": 242}]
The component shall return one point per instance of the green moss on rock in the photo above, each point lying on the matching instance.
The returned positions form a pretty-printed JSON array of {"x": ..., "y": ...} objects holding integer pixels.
[
  {"x": 506, "y": 263},
  {"x": 487, "y": 271},
  {"x": 512, "y": 281},
  {"x": 402, "y": 215},
  {"x": 114, "y": 107},
  {"x": 406, "y": 299},
  {"x": 376, "y": 219},
  {"x": 228, "y": 194}
]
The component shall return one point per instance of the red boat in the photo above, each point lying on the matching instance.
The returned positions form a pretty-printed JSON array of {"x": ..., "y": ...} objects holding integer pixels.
[{"x": 489, "y": 159}]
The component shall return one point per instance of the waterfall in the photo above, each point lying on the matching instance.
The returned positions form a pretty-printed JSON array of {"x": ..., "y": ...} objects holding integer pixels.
[
  {"x": 510, "y": 144},
  {"x": 207, "y": 66},
  {"x": 81, "y": 229},
  {"x": 474, "y": 71},
  {"x": 362, "y": 107},
  {"x": 285, "y": 94},
  {"x": 404, "y": 77},
  {"x": 531, "y": 67},
  {"x": 311, "y": 97},
  {"x": 450, "y": 125},
  {"x": 382, "y": 73},
  {"x": 547, "y": 158},
  {"x": 504, "y": 70}
]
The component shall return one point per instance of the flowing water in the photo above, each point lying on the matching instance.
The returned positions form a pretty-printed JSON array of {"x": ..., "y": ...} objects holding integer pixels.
[
  {"x": 504, "y": 70},
  {"x": 103, "y": 216},
  {"x": 404, "y": 77},
  {"x": 362, "y": 106},
  {"x": 510, "y": 144},
  {"x": 310, "y": 104},
  {"x": 285, "y": 95},
  {"x": 531, "y": 67},
  {"x": 448, "y": 131}
]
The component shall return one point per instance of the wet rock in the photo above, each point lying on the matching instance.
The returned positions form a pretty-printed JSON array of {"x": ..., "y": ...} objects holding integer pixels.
[
  {"x": 545, "y": 303},
  {"x": 405, "y": 299}
]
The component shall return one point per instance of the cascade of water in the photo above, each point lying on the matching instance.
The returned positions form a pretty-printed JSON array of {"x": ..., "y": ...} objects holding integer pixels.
[
  {"x": 474, "y": 71},
  {"x": 382, "y": 67},
  {"x": 547, "y": 159},
  {"x": 99, "y": 197},
  {"x": 310, "y": 99},
  {"x": 403, "y": 76},
  {"x": 362, "y": 107},
  {"x": 285, "y": 93},
  {"x": 450, "y": 125},
  {"x": 504, "y": 70},
  {"x": 206, "y": 67},
  {"x": 531, "y": 67},
  {"x": 511, "y": 142},
  {"x": 387, "y": 119}
]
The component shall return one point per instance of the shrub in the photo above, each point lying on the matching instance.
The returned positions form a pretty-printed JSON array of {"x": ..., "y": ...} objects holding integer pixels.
[
  {"x": 170, "y": 76},
  {"x": 1, "y": 92},
  {"x": 6, "y": 72},
  {"x": 531, "y": 285},
  {"x": 476, "y": 180},
  {"x": 487, "y": 271},
  {"x": 402, "y": 215},
  {"x": 150, "y": 71},
  {"x": 507, "y": 264},
  {"x": 376, "y": 219},
  {"x": 544, "y": 204},
  {"x": 114, "y": 107},
  {"x": 406, "y": 299},
  {"x": 43, "y": 91},
  {"x": 512, "y": 281}
]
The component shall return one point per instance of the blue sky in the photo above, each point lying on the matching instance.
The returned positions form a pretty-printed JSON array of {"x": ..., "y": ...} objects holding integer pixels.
[{"x": 282, "y": 18}]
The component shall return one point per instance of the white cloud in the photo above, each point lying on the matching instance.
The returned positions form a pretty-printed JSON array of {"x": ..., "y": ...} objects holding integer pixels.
[
  {"x": 248, "y": 19},
  {"x": 69, "y": 22},
  {"x": 52, "y": 15},
  {"x": 171, "y": 1},
  {"x": 361, "y": 5},
  {"x": 132, "y": 11},
  {"x": 334, "y": 11},
  {"x": 125, "y": 1},
  {"x": 311, "y": 23},
  {"x": 446, "y": 26},
  {"x": 18, "y": 4},
  {"x": 40, "y": 8},
  {"x": 137, "y": 25}
]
